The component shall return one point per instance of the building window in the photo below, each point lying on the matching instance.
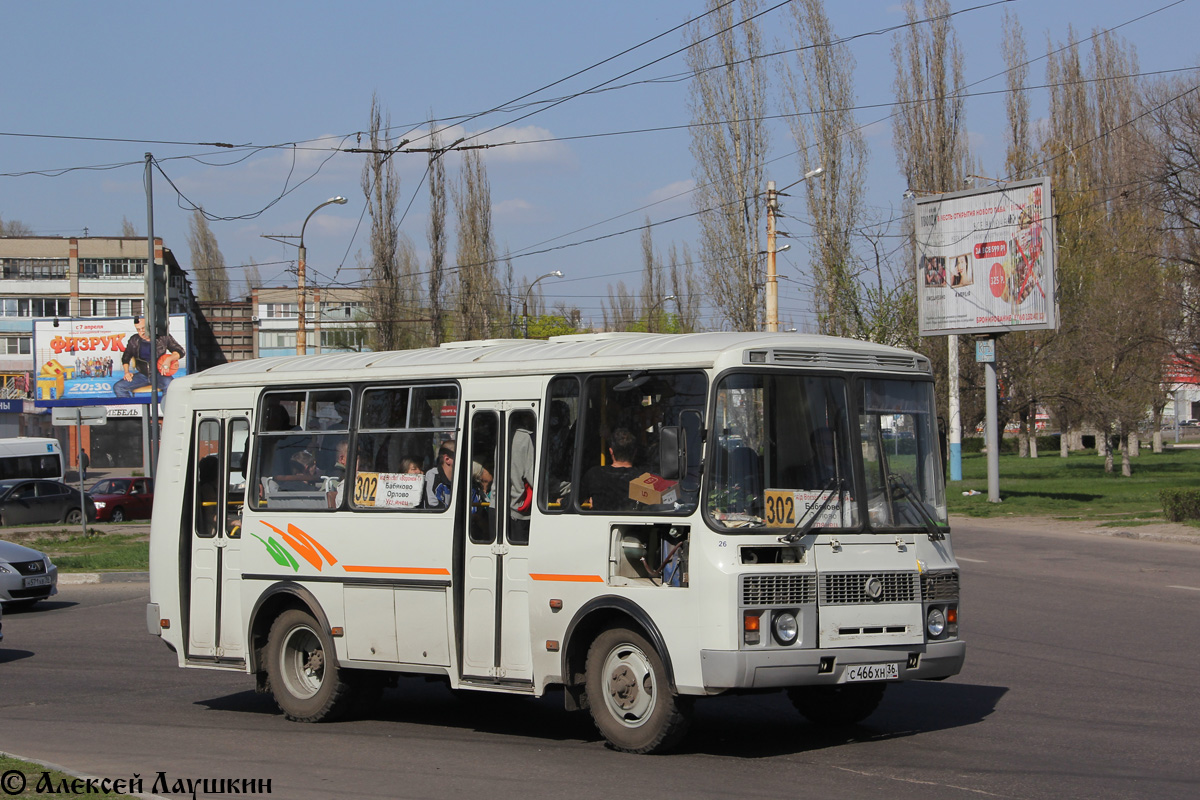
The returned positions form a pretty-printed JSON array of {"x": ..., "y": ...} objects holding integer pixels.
[
  {"x": 35, "y": 269},
  {"x": 282, "y": 310},
  {"x": 34, "y": 307},
  {"x": 110, "y": 307},
  {"x": 111, "y": 267},
  {"x": 16, "y": 345},
  {"x": 343, "y": 339}
]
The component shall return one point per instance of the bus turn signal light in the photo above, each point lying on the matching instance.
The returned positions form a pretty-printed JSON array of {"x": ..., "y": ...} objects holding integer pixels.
[
  {"x": 952, "y": 615},
  {"x": 164, "y": 623}
]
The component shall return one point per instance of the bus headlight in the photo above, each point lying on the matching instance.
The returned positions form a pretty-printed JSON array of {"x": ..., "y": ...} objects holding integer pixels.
[
  {"x": 935, "y": 622},
  {"x": 785, "y": 627}
]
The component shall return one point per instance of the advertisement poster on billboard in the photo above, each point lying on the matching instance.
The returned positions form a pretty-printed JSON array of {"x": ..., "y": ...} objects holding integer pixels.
[
  {"x": 104, "y": 361},
  {"x": 985, "y": 260}
]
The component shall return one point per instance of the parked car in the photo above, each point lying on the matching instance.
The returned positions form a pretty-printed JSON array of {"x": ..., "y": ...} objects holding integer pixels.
[
  {"x": 26, "y": 575},
  {"x": 119, "y": 499},
  {"x": 33, "y": 502},
  {"x": 1, "y": 622}
]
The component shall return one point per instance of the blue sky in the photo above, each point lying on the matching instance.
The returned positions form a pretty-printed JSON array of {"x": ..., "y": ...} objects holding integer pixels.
[{"x": 168, "y": 75}]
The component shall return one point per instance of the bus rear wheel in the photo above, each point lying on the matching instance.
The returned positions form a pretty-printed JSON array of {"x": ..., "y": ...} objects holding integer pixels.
[
  {"x": 306, "y": 682},
  {"x": 837, "y": 706},
  {"x": 630, "y": 697}
]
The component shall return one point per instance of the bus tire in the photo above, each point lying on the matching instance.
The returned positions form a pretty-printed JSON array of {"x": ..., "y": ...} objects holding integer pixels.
[
  {"x": 630, "y": 697},
  {"x": 837, "y": 706},
  {"x": 305, "y": 680}
]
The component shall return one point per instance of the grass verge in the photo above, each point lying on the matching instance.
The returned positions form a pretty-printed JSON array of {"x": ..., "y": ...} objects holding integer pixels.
[
  {"x": 116, "y": 552},
  {"x": 1076, "y": 487},
  {"x": 20, "y": 779}
]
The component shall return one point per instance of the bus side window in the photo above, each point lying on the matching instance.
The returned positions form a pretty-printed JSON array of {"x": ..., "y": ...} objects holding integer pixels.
[{"x": 558, "y": 451}]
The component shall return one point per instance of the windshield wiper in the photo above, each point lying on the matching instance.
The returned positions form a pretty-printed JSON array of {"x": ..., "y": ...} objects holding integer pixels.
[
  {"x": 931, "y": 525},
  {"x": 805, "y": 524}
]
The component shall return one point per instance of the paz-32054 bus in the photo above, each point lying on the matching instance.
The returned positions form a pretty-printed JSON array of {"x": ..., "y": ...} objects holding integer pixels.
[{"x": 641, "y": 519}]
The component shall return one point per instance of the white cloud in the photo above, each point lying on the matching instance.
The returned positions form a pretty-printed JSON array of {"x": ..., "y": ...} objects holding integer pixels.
[
  {"x": 514, "y": 211},
  {"x": 679, "y": 191}
]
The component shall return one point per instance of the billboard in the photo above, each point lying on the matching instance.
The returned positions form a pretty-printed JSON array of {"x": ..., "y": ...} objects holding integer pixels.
[
  {"x": 79, "y": 362},
  {"x": 985, "y": 260}
]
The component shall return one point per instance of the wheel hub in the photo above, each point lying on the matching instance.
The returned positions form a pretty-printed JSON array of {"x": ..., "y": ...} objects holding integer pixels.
[{"x": 623, "y": 687}]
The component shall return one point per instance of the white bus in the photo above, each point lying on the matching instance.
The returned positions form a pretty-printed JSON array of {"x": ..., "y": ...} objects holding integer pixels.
[
  {"x": 640, "y": 519},
  {"x": 30, "y": 457}
]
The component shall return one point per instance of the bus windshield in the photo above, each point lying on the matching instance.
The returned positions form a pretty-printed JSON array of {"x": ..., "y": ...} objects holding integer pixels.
[
  {"x": 901, "y": 458},
  {"x": 784, "y": 455},
  {"x": 782, "y": 450}
]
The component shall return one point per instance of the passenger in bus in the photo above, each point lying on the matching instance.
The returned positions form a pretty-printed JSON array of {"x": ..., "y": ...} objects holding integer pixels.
[
  {"x": 411, "y": 466},
  {"x": 304, "y": 474},
  {"x": 606, "y": 486},
  {"x": 437, "y": 480}
]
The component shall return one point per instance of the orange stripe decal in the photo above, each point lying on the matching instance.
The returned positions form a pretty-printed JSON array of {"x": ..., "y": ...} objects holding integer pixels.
[
  {"x": 537, "y": 576},
  {"x": 398, "y": 570}
]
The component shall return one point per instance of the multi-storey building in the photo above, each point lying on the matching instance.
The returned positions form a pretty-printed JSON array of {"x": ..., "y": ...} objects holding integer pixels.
[
  {"x": 336, "y": 320},
  {"x": 61, "y": 279}
]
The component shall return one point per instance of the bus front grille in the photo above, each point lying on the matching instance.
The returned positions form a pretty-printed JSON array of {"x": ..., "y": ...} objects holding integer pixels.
[
  {"x": 856, "y": 588},
  {"x": 778, "y": 590}
]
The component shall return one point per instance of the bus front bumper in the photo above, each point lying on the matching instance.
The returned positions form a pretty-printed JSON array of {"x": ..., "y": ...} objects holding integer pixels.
[{"x": 779, "y": 668}]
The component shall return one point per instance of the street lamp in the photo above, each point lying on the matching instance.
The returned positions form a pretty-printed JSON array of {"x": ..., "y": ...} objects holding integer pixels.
[
  {"x": 653, "y": 306},
  {"x": 301, "y": 343},
  {"x": 772, "y": 280},
  {"x": 525, "y": 301}
]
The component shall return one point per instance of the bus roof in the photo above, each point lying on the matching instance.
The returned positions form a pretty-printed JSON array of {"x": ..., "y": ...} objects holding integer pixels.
[{"x": 576, "y": 352}]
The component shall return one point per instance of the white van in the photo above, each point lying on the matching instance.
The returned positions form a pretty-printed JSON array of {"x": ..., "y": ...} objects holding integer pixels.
[{"x": 31, "y": 457}]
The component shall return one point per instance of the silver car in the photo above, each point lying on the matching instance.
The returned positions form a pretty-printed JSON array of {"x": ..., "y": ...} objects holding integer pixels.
[{"x": 26, "y": 575}]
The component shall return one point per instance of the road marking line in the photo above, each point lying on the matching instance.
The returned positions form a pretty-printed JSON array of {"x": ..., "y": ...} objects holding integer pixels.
[
  {"x": 1186, "y": 588},
  {"x": 972, "y": 560}
]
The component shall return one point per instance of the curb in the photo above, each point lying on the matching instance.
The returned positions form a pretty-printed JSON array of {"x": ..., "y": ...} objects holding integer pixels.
[
  {"x": 74, "y": 578},
  {"x": 74, "y": 774}
]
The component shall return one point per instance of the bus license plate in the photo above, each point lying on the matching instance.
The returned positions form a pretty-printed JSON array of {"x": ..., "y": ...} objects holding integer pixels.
[
  {"x": 871, "y": 672},
  {"x": 40, "y": 580}
]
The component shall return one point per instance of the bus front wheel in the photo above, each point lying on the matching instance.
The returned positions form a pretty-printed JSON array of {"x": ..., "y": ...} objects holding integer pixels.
[
  {"x": 837, "y": 706},
  {"x": 630, "y": 697},
  {"x": 304, "y": 676}
]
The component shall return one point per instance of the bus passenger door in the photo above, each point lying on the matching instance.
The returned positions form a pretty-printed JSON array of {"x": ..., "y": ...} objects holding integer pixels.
[
  {"x": 218, "y": 492},
  {"x": 499, "y": 471}
]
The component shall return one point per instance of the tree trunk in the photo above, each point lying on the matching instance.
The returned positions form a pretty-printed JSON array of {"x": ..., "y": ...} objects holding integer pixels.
[
  {"x": 1134, "y": 444},
  {"x": 1130, "y": 440},
  {"x": 1023, "y": 434},
  {"x": 1104, "y": 447}
]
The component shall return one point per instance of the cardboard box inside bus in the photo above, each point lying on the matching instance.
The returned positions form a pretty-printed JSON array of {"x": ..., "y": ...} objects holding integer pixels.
[{"x": 652, "y": 489}]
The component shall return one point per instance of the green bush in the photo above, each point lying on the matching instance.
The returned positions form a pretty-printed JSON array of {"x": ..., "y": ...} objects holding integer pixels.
[{"x": 1180, "y": 504}]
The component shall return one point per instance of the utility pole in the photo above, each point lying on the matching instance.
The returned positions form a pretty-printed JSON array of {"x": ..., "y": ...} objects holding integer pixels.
[
  {"x": 152, "y": 323},
  {"x": 772, "y": 278}
]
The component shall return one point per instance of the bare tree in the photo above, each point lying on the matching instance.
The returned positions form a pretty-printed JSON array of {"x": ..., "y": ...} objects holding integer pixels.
[
  {"x": 128, "y": 229},
  {"x": 14, "y": 228},
  {"x": 212, "y": 279},
  {"x": 1172, "y": 163},
  {"x": 392, "y": 278},
  {"x": 684, "y": 287},
  {"x": 827, "y": 137},
  {"x": 929, "y": 134},
  {"x": 621, "y": 311},
  {"x": 436, "y": 235},
  {"x": 252, "y": 277},
  {"x": 475, "y": 276},
  {"x": 730, "y": 144},
  {"x": 929, "y": 126}
]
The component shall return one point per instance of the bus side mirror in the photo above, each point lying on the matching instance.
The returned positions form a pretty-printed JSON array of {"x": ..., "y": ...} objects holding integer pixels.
[{"x": 672, "y": 453}]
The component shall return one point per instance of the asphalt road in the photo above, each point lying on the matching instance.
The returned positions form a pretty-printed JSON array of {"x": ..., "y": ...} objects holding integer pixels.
[{"x": 1081, "y": 677}]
